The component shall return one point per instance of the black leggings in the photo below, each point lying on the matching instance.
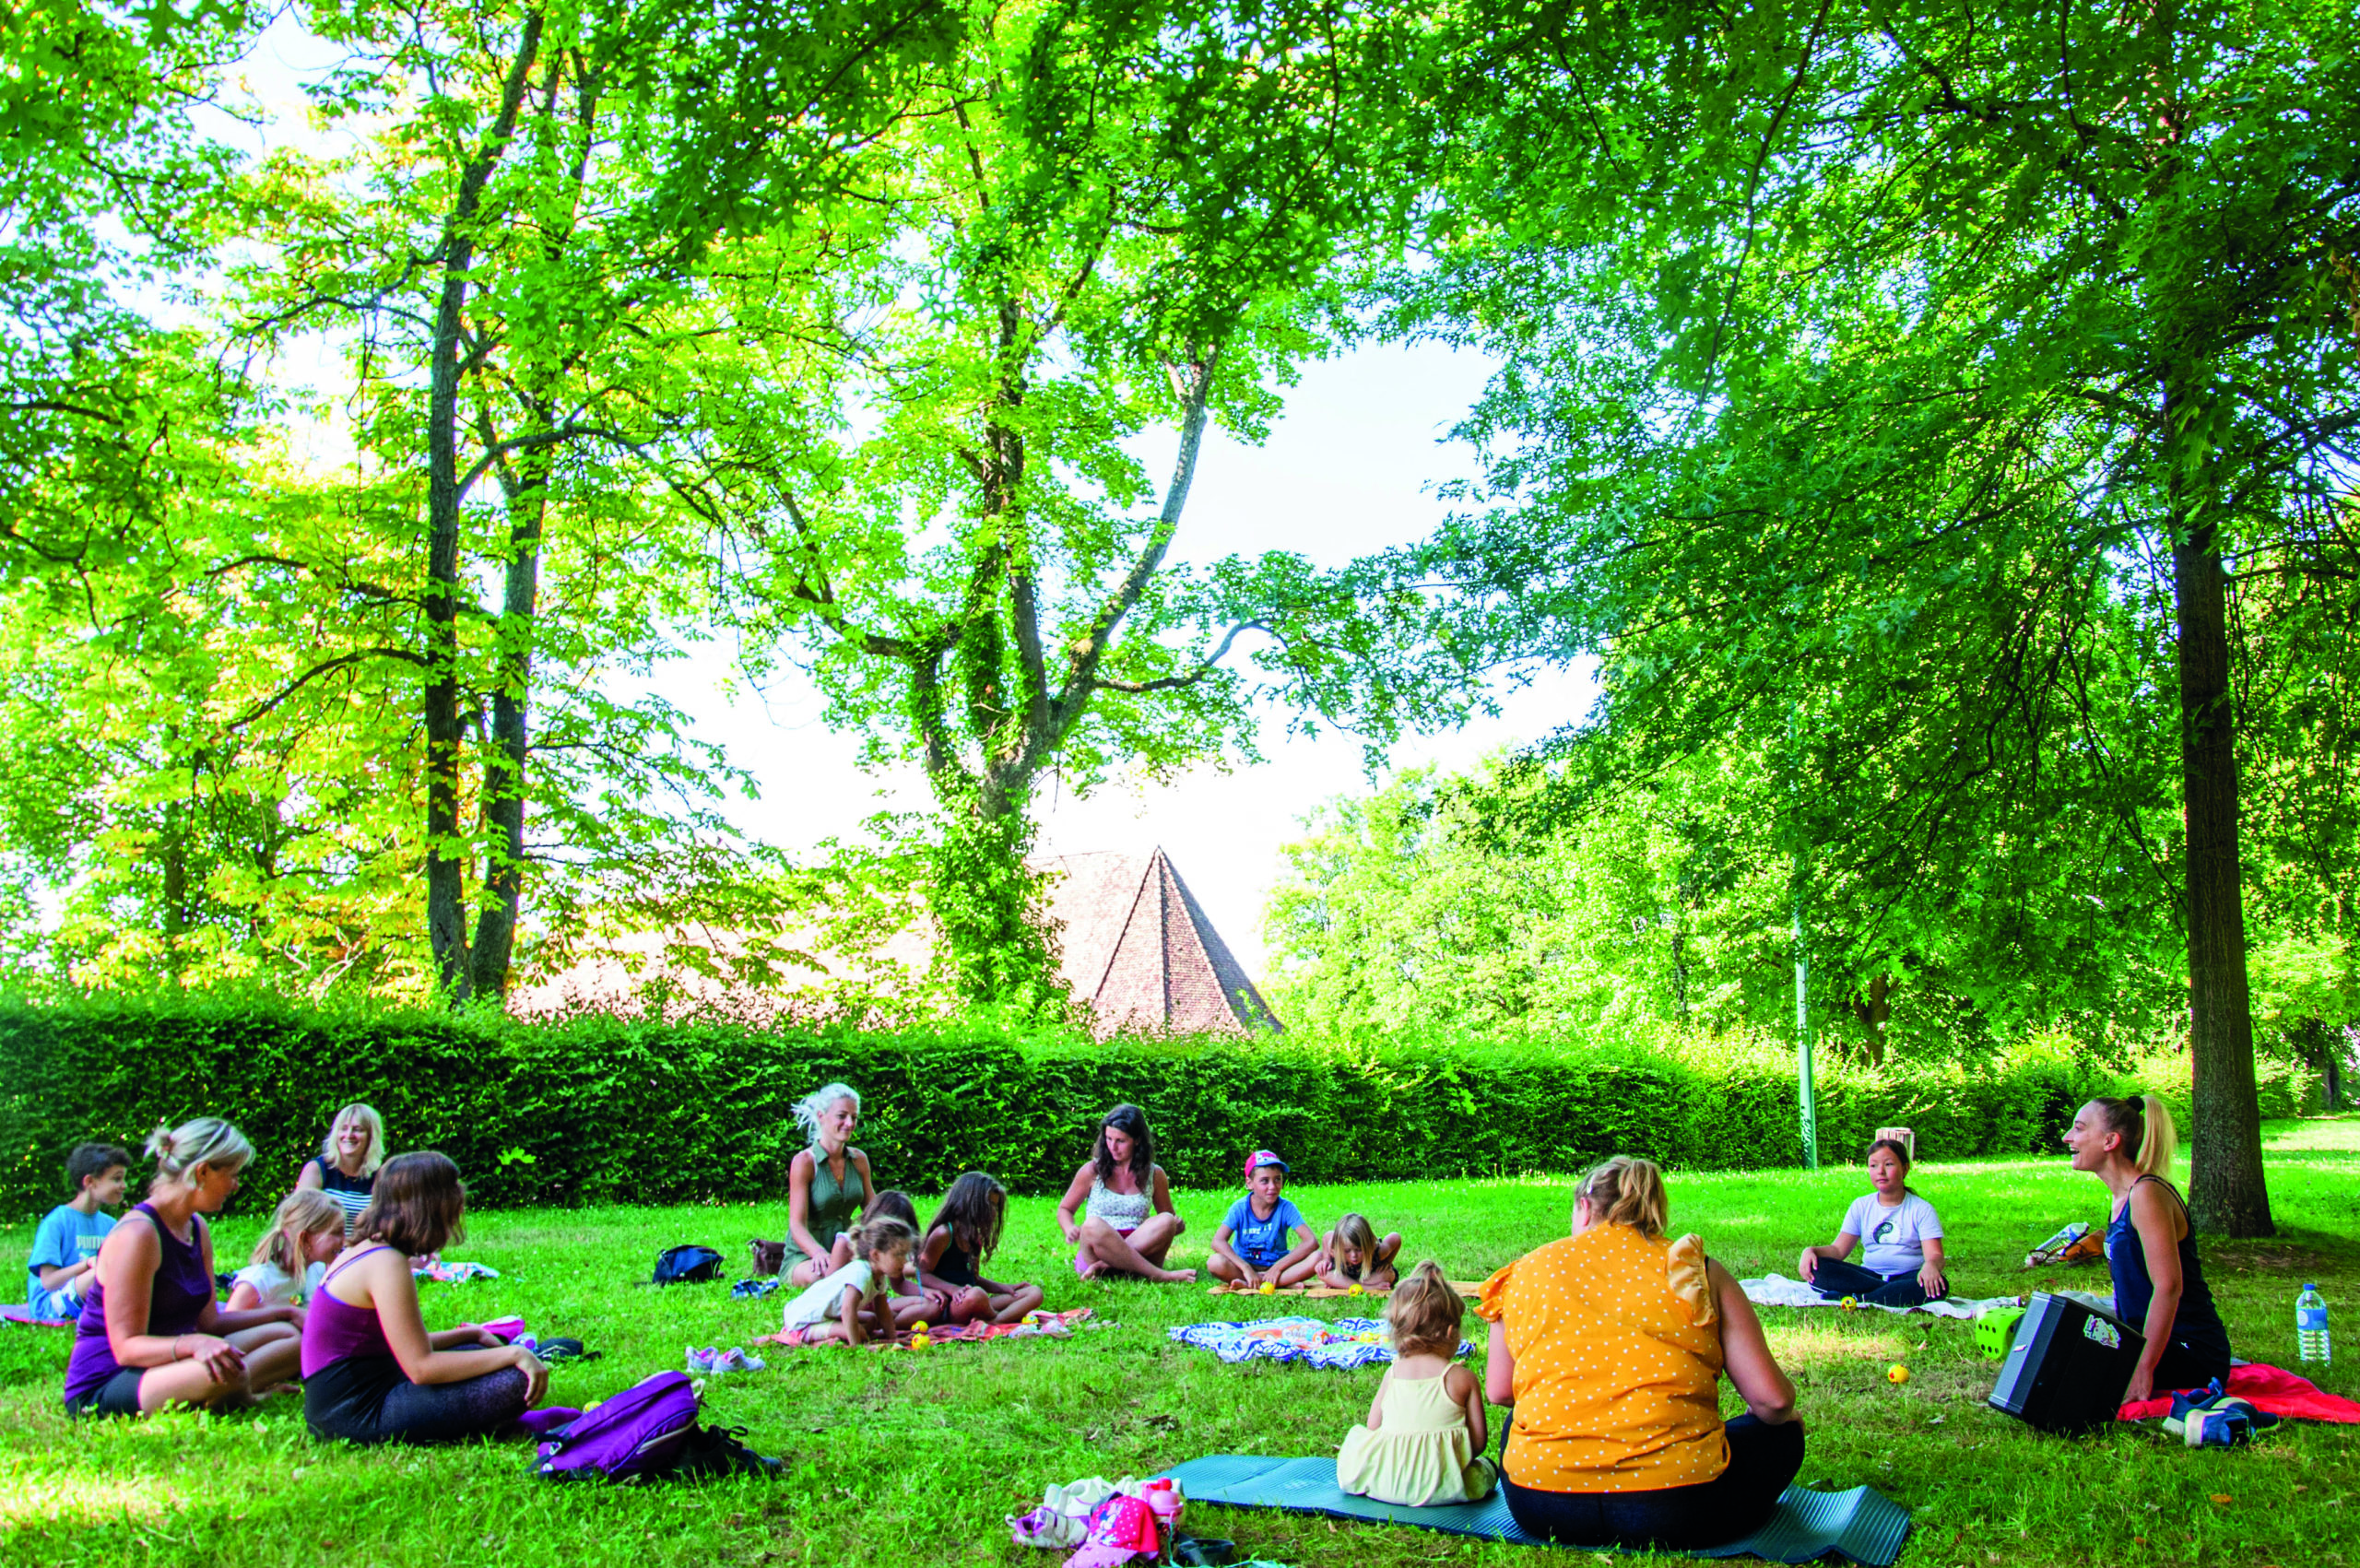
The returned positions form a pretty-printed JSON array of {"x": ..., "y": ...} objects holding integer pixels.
[
  {"x": 367, "y": 1400},
  {"x": 1764, "y": 1461},
  {"x": 1836, "y": 1279}
]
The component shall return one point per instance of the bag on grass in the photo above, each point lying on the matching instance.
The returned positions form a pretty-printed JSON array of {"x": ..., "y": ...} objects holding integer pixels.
[
  {"x": 647, "y": 1430},
  {"x": 687, "y": 1266},
  {"x": 769, "y": 1257}
]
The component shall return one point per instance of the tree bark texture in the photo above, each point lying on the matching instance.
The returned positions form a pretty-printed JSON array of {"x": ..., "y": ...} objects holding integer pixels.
[
  {"x": 501, "y": 900},
  {"x": 2227, "y": 1191},
  {"x": 446, "y": 858}
]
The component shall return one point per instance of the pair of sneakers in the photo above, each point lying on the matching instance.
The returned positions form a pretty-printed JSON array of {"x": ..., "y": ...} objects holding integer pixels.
[
  {"x": 709, "y": 1362},
  {"x": 2208, "y": 1418}
]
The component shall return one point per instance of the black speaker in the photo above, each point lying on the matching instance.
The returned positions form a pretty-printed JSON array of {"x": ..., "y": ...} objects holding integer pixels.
[{"x": 2069, "y": 1366}]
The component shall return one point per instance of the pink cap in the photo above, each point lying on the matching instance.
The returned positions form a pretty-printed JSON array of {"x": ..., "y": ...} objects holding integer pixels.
[{"x": 1121, "y": 1527}]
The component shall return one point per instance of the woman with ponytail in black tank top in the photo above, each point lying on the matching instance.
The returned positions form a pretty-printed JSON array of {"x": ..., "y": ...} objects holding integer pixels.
[{"x": 2151, "y": 1246}]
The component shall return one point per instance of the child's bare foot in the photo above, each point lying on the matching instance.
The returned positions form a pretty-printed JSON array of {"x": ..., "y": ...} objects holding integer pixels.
[
  {"x": 1177, "y": 1275},
  {"x": 1095, "y": 1272}
]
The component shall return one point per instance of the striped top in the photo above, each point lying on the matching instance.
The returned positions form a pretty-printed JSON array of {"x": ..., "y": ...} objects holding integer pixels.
[{"x": 352, "y": 1193}]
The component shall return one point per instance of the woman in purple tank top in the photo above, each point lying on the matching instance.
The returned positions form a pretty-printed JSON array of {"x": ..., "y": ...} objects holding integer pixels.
[
  {"x": 371, "y": 1372},
  {"x": 150, "y": 1335}
]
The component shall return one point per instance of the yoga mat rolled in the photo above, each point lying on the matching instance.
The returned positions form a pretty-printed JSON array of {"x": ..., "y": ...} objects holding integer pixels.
[{"x": 1860, "y": 1525}]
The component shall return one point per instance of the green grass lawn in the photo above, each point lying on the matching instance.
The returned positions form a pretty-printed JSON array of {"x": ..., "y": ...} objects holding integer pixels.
[{"x": 909, "y": 1460}]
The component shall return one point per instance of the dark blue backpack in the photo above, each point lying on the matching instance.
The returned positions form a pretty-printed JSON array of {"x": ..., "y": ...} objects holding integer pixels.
[{"x": 687, "y": 1266}]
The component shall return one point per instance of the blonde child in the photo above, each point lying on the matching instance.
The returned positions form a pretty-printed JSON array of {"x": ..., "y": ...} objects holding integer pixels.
[
  {"x": 1352, "y": 1254},
  {"x": 305, "y": 1235},
  {"x": 962, "y": 1238},
  {"x": 1424, "y": 1441},
  {"x": 831, "y": 1309}
]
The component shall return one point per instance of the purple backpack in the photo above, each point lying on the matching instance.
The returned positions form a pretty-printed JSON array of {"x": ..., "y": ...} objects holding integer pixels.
[{"x": 646, "y": 1430}]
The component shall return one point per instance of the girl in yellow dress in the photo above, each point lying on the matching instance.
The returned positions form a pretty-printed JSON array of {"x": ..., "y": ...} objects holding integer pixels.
[{"x": 1424, "y": 1440}]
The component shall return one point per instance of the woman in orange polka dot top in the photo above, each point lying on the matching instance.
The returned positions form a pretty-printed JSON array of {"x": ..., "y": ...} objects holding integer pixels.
[{"x": 1610, "y": 1346}]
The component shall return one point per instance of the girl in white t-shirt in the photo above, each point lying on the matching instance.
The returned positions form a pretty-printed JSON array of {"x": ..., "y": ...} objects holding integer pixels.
[
  {"x": 1902, "y": 1263},
  {"x": 850, "y": 1304},
  {"x": 305, "y": 1235}
]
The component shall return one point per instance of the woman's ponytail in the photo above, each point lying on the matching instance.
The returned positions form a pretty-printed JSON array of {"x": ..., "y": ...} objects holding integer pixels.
[
  {"x": 1627, "y": 1191},
  {"x": 208, "y": 1140},
  {"x": 2161, "y": 1142}
]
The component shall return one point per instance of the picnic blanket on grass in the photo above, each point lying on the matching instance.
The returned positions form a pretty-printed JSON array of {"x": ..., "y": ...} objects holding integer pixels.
[
  {"x": 1776, "y": 1289},
  {"x": 1342, "y": 1344},
  {"x": 2269, "y": 1388},
  {"x": 1861, "y": 1525}
]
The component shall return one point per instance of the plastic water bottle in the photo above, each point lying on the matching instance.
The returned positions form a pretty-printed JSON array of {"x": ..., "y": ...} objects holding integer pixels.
[{"x": 2310, "y": 1326}]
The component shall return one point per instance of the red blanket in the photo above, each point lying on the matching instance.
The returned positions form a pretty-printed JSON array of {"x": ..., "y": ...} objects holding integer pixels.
[{"x": 2268, "y": 1388}]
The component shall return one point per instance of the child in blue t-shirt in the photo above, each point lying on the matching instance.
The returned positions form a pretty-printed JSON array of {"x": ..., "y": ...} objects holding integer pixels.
[
  {"x": 1252, "y": 1245},
  {"x": 65, "y": 1246}
]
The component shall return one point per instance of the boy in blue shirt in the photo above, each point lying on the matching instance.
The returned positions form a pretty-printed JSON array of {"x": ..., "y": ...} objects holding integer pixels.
[
  {"x": 65, "y": 1246},
  {"x": 1251, "y": 1245}
]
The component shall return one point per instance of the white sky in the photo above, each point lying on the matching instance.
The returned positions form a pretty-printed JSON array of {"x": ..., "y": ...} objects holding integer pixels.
[{"x": 1350, "y": 468}]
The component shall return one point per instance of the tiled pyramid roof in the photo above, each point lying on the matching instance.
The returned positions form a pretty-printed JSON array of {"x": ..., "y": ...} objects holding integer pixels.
[{"x": 1137, "y": 947}]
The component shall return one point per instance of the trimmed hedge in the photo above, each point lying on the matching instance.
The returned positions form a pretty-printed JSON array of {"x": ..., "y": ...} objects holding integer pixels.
[{"x": 610, "y": 1110}]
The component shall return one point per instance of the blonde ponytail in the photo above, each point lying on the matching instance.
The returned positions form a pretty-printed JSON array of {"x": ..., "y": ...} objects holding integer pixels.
[
  {"x": 2160, "y": 1141},
  {"x": 1627, "y": 1191},
  {"x": 2150, "y": 1140}
]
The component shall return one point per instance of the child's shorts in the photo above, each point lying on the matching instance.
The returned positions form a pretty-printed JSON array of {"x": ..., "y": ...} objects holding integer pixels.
[{"x": 55, "y": 1307}]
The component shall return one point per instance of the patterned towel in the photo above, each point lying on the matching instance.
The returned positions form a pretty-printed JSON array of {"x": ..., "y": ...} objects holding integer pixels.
[
  {"x": 1347, "y": 1343},
  {"x": 753, "y": 1289},
  {"x": 457, "y": 1273}
]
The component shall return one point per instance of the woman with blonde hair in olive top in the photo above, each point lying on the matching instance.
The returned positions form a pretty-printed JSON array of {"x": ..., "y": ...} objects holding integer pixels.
[{"x": 1610, "y": 1346}]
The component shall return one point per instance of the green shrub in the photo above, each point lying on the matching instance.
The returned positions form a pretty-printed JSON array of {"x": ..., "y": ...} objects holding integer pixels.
[{"x": 612, "y": 1109}]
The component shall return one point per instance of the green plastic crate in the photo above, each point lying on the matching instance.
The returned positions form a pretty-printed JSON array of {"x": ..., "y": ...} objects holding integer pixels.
[{"x": 1995, "y": 1329}]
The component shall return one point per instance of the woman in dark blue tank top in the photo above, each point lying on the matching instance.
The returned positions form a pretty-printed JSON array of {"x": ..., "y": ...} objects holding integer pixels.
[{"x": 2150, "y": 1245}]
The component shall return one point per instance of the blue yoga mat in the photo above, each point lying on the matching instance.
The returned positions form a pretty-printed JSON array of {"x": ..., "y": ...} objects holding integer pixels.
[{"x": 1861, "y": 1525}]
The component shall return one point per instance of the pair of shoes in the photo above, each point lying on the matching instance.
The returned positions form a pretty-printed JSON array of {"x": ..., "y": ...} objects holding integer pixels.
[
  {"x": 736, "y": 1360},
  {"x": 1193, "y": 1551},
  {"x": 716, "y": 1451},
  {"x": 2209, "y": 1418},
  {"x": 701, "y": 1361}
]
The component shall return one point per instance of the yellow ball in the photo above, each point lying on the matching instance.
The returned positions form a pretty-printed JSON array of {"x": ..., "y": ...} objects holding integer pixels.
[
  {"x": 1897, "y": 1373},
  {"x": 918, "y": 1328},
  {"x": 1268, "y": 1286},
  {"x": 1353, "y": 1291},
  {"x": 1851, "y": 1303}
]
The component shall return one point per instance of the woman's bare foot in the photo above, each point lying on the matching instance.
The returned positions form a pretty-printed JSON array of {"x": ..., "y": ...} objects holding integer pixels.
[
  {"x": 1176, "y": 1276},
  {"x": 1097, "y": 1270}
]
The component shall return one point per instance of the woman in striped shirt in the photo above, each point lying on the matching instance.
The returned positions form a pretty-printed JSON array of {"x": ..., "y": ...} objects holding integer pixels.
[{"x": 345, "y": 1167}]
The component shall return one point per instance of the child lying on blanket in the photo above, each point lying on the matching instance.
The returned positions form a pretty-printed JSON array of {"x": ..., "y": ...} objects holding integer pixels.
[
  {"x": 850, "y": 1304},
  {"x": 1904, "y": 1255},
  {"x": 1352, "y": 1254},
  {"x": 1424, "y": 1441}
]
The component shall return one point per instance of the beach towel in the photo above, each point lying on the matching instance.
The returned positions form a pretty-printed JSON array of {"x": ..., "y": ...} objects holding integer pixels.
[
  {"x": 1347, "y": 1343},
  {"x": 1861, "y": 1525},
  {"x": 2269, "y": 1388},
  {"x": 1776, "y": 1289}
]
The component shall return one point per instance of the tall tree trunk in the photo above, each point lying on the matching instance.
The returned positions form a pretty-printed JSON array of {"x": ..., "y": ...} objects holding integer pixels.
[
  {"x": 2227, "y": 1190},
  {"x": 446, "y": 913},
  {"x": 503, "y": 770}
]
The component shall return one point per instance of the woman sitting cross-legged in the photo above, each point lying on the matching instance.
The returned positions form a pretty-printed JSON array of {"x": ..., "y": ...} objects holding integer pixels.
[
  {"x": 371, "y": 1372},
  {"x": 1903, "y": 1257},
  {"x": 150, "y": 1334},
  {"x": 1126, "y": 1223},
  {"x": 1610, "y": 1344}
]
